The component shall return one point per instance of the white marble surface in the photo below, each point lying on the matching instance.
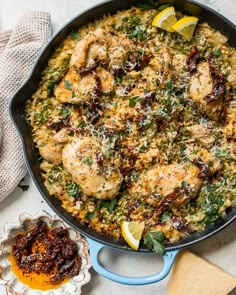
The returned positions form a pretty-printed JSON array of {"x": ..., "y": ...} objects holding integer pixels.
[{"x": 220, "y": 249}]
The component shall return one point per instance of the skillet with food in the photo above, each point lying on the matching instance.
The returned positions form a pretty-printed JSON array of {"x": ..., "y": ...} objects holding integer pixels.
[{"x": 134, "y": 124}]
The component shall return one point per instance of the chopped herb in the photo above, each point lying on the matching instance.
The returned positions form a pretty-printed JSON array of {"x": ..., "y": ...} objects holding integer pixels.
[
  {"x": 133, "y": 29},
  {"x": 165, "y": 218},
  {"x": 156, "y": 49},
  {"x": 221, "y": 153},
  {"x": 51, "y": 179},
  {"x": 113, "y": 26},
  {"x": 88, "y": 160},
  {"x": 149, "y": 4},
  {"x": 89, "y": 215},
  {"x": 75, "y": 35},
  {"x": 184, "y": 183},
  {"x": 23, "y": 187},
  {"x": 125, "y": 19},
  {"x": 107, "y": 154},
  {"x": 51, "y": 85},
  {"x": 154, "y": 241},
  {"x": 140, "y": 51},
  {"x": 105, "y": 93},
  {"x": 217, "y": 53},
  {"x": 43, "y": 115},
  {"x": 133, "y": 101},
  {"x": 138, "y": 33},
  {"x": 233, "y": 186},
  {"x": 169, "y": 87},
  {"x": 119, "y": 79},
  {"x": 211, "y": 204},
  {"x": 142, "y": 148},
  {"x": 68, "y": 85},
  {"x": 231, "y": 197},
  {"x": 134, "y": 177},
  {"x": 162, "y": 7},
  {"x": 73, "y": 190},
  {"x": 65, "y": 112},
  {"x": 82, "y": 124},
  {"x": 109, "y": 205}
]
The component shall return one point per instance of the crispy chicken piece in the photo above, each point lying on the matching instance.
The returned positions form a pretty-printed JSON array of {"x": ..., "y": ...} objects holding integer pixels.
[
  {"x": 201, "y": 135},
  {"x": 61, "y": 136},
  {"x": 81, "y": 87},
  {"x": 164, "y": 180},
  {"x": 175, "y": 185},
  {"x": 86, "y": 62},
  {"x": 212, "y": 36},
  {"x": 201, "y": 85},
  {"x": 90, "y": 50},
  {"x": 101, "y": 48},
  {"x": 118, "y": 49},
  {"x": 84, "y": 160},
  {"x": 51, "y": 152},
  {"x": 107, "y": 80}
]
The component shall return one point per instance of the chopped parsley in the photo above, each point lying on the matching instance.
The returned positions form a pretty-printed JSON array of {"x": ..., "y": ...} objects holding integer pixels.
[
  {"x": 109, "y": 205},
  {"x": 65, "y": 112},
  {"x": 82, "y": 124},
  {"x": 217, "y": 53},
  {"x": 68, "y": 85},
  {"x": 165, "y": 218},
  {"x": 73, "y": 190},
  {"x": 169, "y": 87},
  {"x": 75, "y": 35},
  {"x": 44, "y": 113},
  {"x": 89, "y": 215},
  {"x": 88, "y": 160},
  {"x": 221, "y": 153},
  {"x": 151, "y": 4},
  {"x": 214, "y": 198},
  {"x": 133, "y": 28},
  {"x": 142, "y": 148},
  {"x": 133, "y": 101},
  {"x": 108, "y": 154}
]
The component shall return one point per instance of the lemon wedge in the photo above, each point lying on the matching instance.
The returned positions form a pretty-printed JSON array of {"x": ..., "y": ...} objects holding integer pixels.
[
  {"x": 132, "y": 233},
  {"x": 186, "y": 26},
  {"x": 165, "y": 19}
]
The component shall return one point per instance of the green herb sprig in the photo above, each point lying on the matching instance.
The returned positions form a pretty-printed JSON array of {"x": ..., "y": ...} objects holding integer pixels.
[
  {"x": 152, "y": 4},
  {"x": 154, "y": 240}
]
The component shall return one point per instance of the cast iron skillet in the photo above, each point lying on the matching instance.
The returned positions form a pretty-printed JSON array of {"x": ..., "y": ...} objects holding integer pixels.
[{"x": 17, "y": 110}]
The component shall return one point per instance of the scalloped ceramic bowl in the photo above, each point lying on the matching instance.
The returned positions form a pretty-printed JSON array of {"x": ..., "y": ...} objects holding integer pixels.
[{"x": 73, "y": 286}]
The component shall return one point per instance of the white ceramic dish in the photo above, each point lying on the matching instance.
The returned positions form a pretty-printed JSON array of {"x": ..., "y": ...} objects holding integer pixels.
[{"x": 25, "y": 220}]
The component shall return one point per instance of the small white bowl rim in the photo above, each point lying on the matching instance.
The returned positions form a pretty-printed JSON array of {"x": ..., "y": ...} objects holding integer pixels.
[{"x": 73, "y": 286}]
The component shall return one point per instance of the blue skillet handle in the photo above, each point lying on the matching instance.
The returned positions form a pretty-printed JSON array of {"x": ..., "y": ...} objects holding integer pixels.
[{"x": 95, "y": 249}]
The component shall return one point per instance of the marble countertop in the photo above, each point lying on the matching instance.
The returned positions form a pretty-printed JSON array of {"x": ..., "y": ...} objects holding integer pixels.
[{"x": 220, "y": 249}]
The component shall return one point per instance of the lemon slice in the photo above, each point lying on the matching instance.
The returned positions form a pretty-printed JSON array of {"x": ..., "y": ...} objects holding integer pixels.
[
  {"x": 186, "y": 26},
  {"x": 165, "y": 19},
  {"x": 132, "y": 233}
]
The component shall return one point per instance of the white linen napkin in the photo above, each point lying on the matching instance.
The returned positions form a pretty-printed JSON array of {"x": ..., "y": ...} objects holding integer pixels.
[{"x": 18, "y": 49}]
